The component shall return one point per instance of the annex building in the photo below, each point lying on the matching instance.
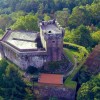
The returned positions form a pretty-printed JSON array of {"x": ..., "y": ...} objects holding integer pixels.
[{"x": 33, "y": 48}]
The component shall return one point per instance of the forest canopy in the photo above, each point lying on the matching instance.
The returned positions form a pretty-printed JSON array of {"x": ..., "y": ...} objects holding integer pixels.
[
  {"x": 81, "y": 20},
  {"x": 25, "y": 15}
]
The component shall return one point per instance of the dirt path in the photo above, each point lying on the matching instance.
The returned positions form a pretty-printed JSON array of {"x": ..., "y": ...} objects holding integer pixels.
[{"x": 75, "y": 65}]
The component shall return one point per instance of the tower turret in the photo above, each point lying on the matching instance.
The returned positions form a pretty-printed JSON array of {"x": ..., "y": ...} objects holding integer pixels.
[{"x": 52, "y": 39}]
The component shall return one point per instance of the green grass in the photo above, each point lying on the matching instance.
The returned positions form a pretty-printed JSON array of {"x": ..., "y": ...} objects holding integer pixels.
[
  {"x": 78, "y": 51},
  {"x": 1, "y": 35},
  {"x": 69, "y": 55},
  {"x": 78, "y": 46},
  {"x": 68, "y": 82}
]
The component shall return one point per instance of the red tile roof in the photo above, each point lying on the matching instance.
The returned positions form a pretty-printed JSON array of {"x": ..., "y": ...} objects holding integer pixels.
[{"x": 56, "y": 79}]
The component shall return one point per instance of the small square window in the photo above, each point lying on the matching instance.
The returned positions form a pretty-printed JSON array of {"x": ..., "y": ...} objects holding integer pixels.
[
  {"x": 49, "y": 31},
  {"x": 53, "y": 41}
]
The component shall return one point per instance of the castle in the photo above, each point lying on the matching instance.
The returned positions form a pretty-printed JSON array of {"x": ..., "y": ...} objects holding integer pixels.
[{"x": 33, "y": 48}]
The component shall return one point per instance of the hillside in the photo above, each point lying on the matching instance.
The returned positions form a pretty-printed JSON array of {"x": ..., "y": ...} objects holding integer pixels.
[{"x": 81, "y": 20}]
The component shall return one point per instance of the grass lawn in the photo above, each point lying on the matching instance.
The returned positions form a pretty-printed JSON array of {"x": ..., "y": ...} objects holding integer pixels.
[
  {"x": 77, "y": 46},
  {"x": 68, "y": 81},
  {"x": 1, "y": 35},
  {"x": 69, "y": 55},
  {"x": 77, "y": 51},
  {"x": 70, "y": 84}
]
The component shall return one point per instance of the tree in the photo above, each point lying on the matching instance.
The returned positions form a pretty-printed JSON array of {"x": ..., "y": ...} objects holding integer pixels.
[
  {"x": 90, "y": 90},
  {"x": 5, "y": 21},
  {"x": 1, "y": 32},
  {"x": 12, "y": 86},
  {"x": 62, "y": 16},
  {"x": 46, "y": 17},
  {"x": 96, "y": 37},
  {"x": 80, "y": 15},
  {"x": 28, "y": 22},
  {"x": 40, "y": 11},
  {"x": 83, "y": 75},
  {"x": 16, "y": 15},
  {"x": 1, "y": 98},
  {"x": 82, "y": 36},
  {"x": 68, "y": 37},
  {"x": 32, "y": 70}
]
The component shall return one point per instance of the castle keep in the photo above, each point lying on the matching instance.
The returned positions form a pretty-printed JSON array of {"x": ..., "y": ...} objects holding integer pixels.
[{"x": 33, "y": 48}]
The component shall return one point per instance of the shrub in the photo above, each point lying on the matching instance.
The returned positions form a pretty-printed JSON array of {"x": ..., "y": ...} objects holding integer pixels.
[
  {"x": 53, "y": 65},
  {"x": 32, "y": 70}
]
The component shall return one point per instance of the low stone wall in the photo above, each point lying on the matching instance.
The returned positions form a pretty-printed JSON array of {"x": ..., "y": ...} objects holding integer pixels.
[
  {"x": 25, "y": 58},
  {"x": 59, "y": 92}
]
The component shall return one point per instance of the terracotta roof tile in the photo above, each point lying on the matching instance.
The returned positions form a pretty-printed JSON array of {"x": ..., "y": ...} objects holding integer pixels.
[{"x": 51, "y": 79}]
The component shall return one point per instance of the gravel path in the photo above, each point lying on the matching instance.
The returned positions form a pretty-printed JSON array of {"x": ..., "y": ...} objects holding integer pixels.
[{"x": 75, "y": 65}]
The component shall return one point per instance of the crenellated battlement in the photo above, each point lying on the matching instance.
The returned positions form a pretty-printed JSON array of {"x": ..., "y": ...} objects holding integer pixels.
[
  {"x": 45, "y": 23},
  {"x": 51, "y": 27},
  {"x": 51, "y": 34},
  {"x": 33, "y": 48}
]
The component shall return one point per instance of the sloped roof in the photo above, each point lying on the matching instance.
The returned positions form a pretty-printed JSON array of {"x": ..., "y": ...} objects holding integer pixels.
[
  {"x": 56, "y": 79},
  {"x": 22, "y": 40}
]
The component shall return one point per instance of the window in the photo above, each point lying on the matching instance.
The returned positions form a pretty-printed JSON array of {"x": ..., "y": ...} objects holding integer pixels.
[
  {"x": 49, "y": 31},
  {"x": 53, "y": 41}
]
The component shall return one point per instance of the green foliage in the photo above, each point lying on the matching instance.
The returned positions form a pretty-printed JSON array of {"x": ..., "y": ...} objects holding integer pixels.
[
  {"x": 75, "y": 51},
  {"x": 96, "y": 37},
  {"x": 54, "y": 65},
  {"x": 46, "y": 17},
  {"x": 90, "y": 90},
  {"x": 9, "y": 6},
  {"x": 15, "y": 15},
  {"x": 79, "y": 15},
  {"x": 40, "y": 11},
  {"x": 82, "y": 36},
  {"x": 1, "y": 98},
  {"x": 69, "y": 55},
  {"x": 1, "y": 32},
  {"x": 5, "y": 21},
  {"x": 28, "y": 23},
  {"x": 32, "y": 70},
  {"x": 69, "y": 83},
  {"x": 83, "y": 75},
  {"x": 11, "y": 84},
  {"x": 24, "y": 15},
  {"x": 86, "y": 15},
  {"x": 62, "y": 17}
]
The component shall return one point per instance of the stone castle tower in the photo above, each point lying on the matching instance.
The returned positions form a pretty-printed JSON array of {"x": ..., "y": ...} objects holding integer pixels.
[
  {"x": 52, "y": 39},
  {"x": 23, "y": 48}
]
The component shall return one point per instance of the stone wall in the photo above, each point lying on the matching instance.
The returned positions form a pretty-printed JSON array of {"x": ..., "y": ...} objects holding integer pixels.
[
  {"x": 43, "y": 38},
  {"x": 24, "y": 59},
  {"x": 49, "y": 91},
  {"x": 55, "y": 48},
  {"x": 36, "y": 61},
  {"x": 53, "y": 40}
]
